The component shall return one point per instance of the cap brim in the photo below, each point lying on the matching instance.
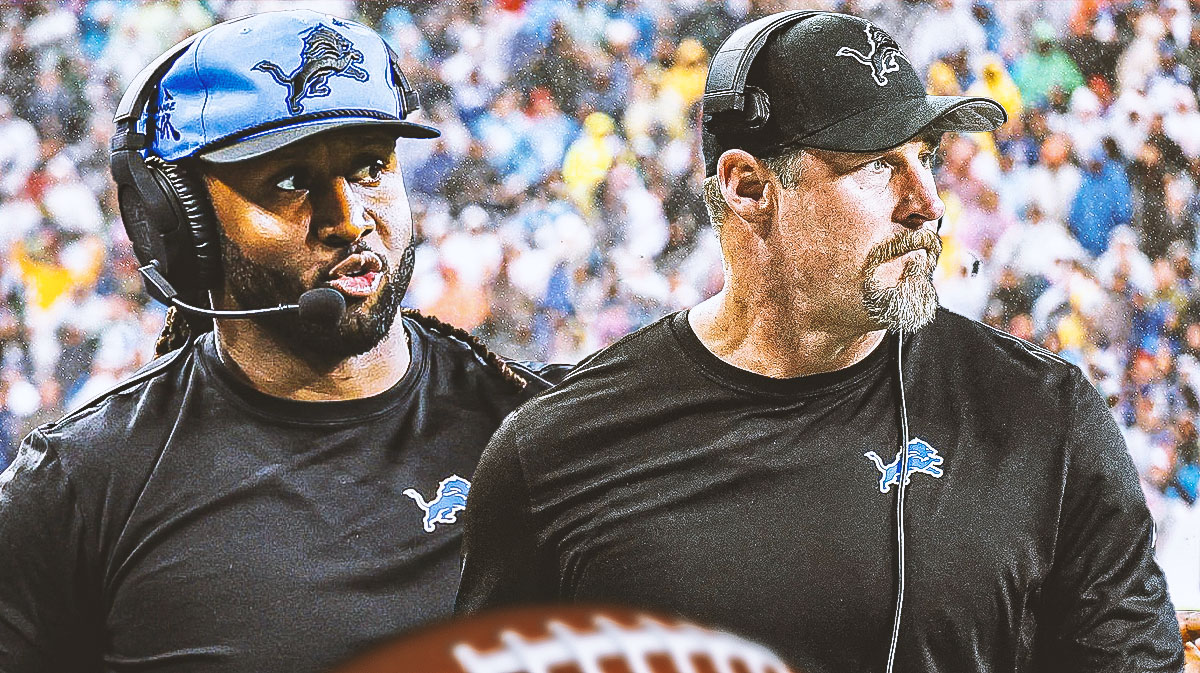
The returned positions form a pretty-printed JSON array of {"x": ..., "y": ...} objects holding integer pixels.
[
  {"x": 879, "y": 128},
  {"x": 268, "y": 141}
]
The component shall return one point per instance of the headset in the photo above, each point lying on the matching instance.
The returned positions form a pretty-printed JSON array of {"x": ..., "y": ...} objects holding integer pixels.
[
  {"x": 166, "y": 211},
  {"x": 730, "y": 106}
]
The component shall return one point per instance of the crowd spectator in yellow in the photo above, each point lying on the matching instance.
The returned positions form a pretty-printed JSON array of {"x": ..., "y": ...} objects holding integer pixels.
[
  {"x": 50, "y": 270},
  {"x": 997, "y": 84},
  {"x": 689, "y": 68},
  {"x": 589, "y": 158}
]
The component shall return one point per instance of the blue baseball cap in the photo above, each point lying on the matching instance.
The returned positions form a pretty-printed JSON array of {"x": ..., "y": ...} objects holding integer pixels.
[{"x": 250, "y": 86}]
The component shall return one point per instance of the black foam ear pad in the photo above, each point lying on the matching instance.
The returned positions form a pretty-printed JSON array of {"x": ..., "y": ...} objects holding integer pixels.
[
  {"x": 198, "y": 222},
  {"x": 758, "y": 108}
]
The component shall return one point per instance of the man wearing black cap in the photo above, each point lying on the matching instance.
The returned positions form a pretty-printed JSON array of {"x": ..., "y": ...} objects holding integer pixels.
[
  {"x": 272, "y": 494},
  {"x": 819, "y": 456}
]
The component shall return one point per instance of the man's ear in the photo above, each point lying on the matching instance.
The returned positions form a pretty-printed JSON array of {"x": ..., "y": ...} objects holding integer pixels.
[{"x": 747, "y": 188}]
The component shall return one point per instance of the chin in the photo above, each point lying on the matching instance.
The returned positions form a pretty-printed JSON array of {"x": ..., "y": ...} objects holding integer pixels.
[{"x": 906, "y": 306}]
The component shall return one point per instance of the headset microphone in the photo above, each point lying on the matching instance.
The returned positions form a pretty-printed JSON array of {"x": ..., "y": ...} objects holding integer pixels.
[{"x": 322, "y": 305}]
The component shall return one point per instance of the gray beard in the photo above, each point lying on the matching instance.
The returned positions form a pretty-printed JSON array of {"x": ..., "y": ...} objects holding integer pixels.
[{"x": 912, "y": 302}]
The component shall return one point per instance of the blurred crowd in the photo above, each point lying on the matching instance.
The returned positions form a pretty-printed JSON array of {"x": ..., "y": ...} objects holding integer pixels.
[{"x": 562, "y": 206}]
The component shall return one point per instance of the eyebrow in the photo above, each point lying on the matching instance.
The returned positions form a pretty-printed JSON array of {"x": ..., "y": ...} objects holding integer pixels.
[{"x": 932, "y": 139}]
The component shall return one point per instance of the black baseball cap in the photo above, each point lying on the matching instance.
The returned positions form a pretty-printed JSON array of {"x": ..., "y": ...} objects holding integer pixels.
[{"x": 838, "y": 82}]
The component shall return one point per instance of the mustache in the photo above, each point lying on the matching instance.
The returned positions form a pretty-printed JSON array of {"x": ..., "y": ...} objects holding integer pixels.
[{"x": 904, "y": 243}]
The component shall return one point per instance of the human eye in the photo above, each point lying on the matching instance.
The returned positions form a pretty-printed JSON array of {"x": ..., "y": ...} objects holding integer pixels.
[
  {"x": 876, "y": 165},
  {"x": 291, "y": 181},
  {"x": 368, "y": 173},
  {"x": 929, "y": 159}
]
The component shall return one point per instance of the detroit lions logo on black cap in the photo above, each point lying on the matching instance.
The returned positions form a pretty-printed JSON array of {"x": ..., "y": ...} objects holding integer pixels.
[
  {"x": 881, "y": 55},
  {"x": 326, "y": 53}
]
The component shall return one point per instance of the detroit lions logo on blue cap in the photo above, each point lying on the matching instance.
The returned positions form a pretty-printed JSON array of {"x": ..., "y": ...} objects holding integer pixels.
[
  {"x": 921, "y": 458},
  {"x": 326, "y": 53},
  {"x": 451, "y": 499},
  {"x": 881, "y": 54}
]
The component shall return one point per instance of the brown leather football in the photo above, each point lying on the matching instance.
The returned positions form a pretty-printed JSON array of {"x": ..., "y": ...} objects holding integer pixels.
[{"x": 568, "y": 639}]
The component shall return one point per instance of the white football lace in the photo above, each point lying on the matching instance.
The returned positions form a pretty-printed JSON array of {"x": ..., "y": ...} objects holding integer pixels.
[{"x": 633, "y": 644}]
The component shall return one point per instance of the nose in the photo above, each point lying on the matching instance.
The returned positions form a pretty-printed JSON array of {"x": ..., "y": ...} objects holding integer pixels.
[
  {"x": 340, "y": 215},
  {"x": 919, "y": 202}
]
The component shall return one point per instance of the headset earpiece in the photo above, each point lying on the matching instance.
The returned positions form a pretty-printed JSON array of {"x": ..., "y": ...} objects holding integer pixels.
[
  {"x": 193, "y": 211},
  {"x": 730, "y": 106},
  {"x": 758, "y": 108}
]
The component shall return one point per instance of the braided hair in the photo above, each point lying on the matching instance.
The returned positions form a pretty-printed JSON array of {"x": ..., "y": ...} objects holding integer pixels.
[
  {"x": 477, "y": 346},
  {"x": 177, "y": 331}
]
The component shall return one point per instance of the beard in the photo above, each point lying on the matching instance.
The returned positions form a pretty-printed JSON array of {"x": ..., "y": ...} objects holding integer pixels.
[
  {"x": 912, "y": 302},
  {"x": 255, "y": 285}
]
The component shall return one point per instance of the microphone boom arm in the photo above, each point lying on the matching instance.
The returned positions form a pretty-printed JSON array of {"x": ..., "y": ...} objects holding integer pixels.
[{"x": 160, "y": 288}]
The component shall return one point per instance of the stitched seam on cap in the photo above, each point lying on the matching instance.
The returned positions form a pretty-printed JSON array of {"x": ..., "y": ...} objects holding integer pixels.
[{"x": 204, "y": 105}]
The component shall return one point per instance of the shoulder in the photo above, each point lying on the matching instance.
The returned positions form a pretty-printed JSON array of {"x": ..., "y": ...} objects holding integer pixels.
[
  {"x": 966, "y": 358},
  {"x": 117, "y": 409},
  {"x": 105, "y": 440},
  {"x": 453, "y": 362},
  {"x": 620, "y": 376},
  {"x": 105, "y": 428},
  {"x": 639, "y": 351}
]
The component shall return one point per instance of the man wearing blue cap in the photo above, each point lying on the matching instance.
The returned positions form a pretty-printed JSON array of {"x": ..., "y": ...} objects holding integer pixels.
[
  {"x": 280, "y": 492},
  {"x": 818, "y": 456}
]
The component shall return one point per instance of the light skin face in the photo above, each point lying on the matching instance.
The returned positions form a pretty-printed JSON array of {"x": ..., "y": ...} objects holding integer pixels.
[
  {"x": 796, "y": 259},
  {"x": 327, "y": 211}
]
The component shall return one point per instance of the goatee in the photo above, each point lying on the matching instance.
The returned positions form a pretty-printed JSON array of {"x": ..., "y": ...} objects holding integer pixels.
[{"x": 912, "y": 302}]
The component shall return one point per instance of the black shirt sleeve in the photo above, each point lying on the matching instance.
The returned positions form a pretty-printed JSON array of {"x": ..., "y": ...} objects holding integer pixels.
[
  {"x": 501, "y": 560},
  {"x": 1107, "y": 598},
  {"x": 44, "y": 590}
]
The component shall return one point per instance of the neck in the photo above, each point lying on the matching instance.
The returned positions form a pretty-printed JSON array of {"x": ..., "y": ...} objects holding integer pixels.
[
  {"x": 775, "y": 340},
  {"x": 269, "y": 366}
]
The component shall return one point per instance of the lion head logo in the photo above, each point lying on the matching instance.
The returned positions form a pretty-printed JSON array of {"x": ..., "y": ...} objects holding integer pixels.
[
  {"x": 326, "y": 53},
  {"x": 881, "y": 54}
]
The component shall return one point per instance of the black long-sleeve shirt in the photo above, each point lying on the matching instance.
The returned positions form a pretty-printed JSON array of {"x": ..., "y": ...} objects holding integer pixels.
[{"x": 659, "y": 476}]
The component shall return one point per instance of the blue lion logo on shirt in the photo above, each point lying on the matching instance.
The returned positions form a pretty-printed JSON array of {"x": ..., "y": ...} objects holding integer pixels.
[
  {"x": 921, "y": 458},
  {"x": 451, "y": 499}
]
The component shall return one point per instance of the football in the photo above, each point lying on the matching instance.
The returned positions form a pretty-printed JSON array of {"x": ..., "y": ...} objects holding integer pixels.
[{"x": 568, "y": 639}]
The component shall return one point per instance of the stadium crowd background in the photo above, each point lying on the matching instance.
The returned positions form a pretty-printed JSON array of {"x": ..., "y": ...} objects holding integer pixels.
[{"x": 562, "y": 207}]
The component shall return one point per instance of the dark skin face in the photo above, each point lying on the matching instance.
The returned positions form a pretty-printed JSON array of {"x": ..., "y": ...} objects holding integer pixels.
[
  {"x": 329, "y": 211},
  {"x": 295, "y": 209}
]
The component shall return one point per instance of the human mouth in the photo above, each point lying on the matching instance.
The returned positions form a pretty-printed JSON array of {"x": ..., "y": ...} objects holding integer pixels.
[{"x": 358, "y": 276}]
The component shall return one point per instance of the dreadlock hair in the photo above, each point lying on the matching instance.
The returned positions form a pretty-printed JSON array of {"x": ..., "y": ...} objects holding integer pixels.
[
  {"x": 178, "y": 330},
  {"x": 174, "y": 333},
  {"x": 477, "y": 346}
]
